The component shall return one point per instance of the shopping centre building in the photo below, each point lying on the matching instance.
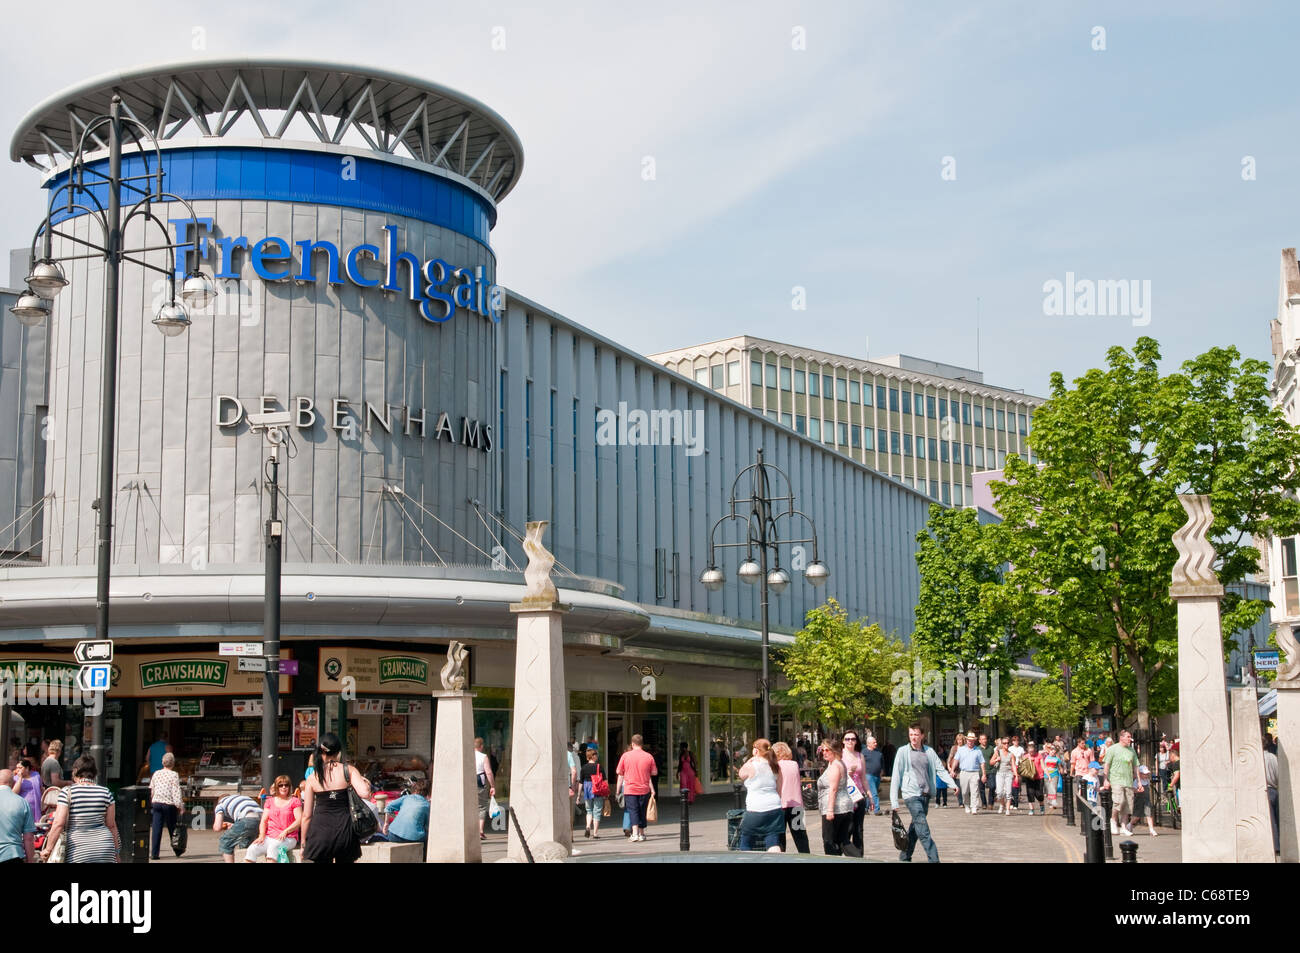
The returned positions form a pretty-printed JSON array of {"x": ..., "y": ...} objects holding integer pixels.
[{"x": 346, "y": 215}]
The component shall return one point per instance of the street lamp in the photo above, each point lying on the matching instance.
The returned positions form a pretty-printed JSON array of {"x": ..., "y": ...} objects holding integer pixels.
[
  {"x": 46, "y": 279},
  {"x": 756, "y": 511}
]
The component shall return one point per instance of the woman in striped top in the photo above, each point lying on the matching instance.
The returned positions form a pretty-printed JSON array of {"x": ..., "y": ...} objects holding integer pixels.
[{"x": 85, "y": 812}]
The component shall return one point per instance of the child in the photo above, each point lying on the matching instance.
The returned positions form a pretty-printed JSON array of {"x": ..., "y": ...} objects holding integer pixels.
[
  {"x": 1142, "y": 798},
  {"x": 1051, "y": 775}
]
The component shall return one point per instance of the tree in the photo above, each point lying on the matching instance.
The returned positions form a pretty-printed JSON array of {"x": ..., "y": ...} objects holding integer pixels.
[
  {"x": 1027, "y": 703},
  {"x": 958, "y": 625},
  {"x": 841, "y": 672},
  {"x": 1089, "y": 532}
]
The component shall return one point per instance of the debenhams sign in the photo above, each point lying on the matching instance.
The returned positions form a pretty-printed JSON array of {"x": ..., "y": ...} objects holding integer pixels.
[{"x": 409, "y": 421}]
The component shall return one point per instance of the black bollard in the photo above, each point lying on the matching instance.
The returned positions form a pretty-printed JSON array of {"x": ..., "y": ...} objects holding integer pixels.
[
  {"x": 1106, "y": 804},
  {"x": 1067, "y": 799},
  {"x": 1156, "y": 798},
  {"x": 1129, "y": 851},
  {"x": 737, "y": 791},
  {"x": 686, "y": 823},
  {"x": 1092, "y": 824}
]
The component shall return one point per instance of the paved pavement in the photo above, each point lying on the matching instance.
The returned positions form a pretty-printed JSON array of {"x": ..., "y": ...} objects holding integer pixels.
[{"x": 960, "y": 837}]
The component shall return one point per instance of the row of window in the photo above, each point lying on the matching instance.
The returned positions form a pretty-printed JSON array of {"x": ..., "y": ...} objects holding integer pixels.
[
  {"x": 912, "y": 403},
  {"x": 897, "y": 442},
  {"x": 713, "y": 376}
]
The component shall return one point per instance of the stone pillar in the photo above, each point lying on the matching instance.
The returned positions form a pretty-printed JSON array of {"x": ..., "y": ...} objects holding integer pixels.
[
  {"x": 1288, "y": 745},
  {"x": 539, "y": 766},
  {"x": 1208, "y": 799},
  {"x": 453, "y": 789},
  {"x": 1254, "y": 832}
]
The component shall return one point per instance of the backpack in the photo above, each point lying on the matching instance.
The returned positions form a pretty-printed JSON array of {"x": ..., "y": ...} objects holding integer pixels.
[
  {"x": 1027, "y": 769},
  {"x": 599, "y": 786}
]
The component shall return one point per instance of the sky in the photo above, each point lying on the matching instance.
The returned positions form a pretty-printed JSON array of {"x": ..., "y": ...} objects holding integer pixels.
[{"x": 866, "y": 178}]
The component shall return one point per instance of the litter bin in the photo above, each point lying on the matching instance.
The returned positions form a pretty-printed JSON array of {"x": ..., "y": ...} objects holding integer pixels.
[
  {"x": 134, "y": 821},
  {"x": 733, "y": 829}
]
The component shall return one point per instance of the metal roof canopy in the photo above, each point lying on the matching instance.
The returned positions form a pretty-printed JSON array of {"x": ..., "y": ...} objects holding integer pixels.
[{"x": 436, "y": 125}]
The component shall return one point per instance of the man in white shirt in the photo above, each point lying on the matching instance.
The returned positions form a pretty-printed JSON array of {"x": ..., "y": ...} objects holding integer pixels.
[{"x": 487, "y": 784}]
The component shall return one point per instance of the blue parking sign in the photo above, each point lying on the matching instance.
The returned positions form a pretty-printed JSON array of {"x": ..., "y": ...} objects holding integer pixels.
[{"x": 95, "y": 678}]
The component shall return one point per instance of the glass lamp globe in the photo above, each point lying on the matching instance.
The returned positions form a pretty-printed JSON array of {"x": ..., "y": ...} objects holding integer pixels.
[
  {"x": 198, "y": 290},
  {"x": 817, "y": 573},
  {"x": 172, "y": 319},
  {"x": 30, "y": 308},
  {"x": 47, "y": 279},
  {"x": 749, "y": 571},
  {"x": 777, "y": 580},
  {"x": 712, "y": 578}
]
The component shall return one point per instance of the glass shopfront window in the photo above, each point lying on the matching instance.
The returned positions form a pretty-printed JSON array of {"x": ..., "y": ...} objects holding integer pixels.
[
  {"x": 686, "y": 730},
  {"x": 587, "y": 720},
  {"x": 731, "y": 735},
  {"x": 492, "y": 708}
]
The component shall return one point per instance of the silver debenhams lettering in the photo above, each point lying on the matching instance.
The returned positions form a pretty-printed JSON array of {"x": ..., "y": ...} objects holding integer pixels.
[
  {"x": 364, "y": 417},
  {"x": 78, "y": 907}
]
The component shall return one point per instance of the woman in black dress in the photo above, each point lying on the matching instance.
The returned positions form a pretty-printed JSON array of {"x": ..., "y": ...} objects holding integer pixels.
[{"x": 326, "y": 819}]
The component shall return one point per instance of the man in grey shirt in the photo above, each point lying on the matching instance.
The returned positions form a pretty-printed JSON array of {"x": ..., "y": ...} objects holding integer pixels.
[
  {"x": 916, "y": 769},
  {"x": 51, "y": 770},
  {"x": 1270, "y": 788}
]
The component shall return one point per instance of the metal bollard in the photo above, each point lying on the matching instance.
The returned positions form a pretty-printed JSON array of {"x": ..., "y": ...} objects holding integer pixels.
[
  {"x": 1067, "y": 799},
  {"x": 686, "y": 823},
  {"x": 737, "y": 791},
  {"x": 1106, "y": 804},
  {"x": 1156, "y": 794},
  {"x": 1129, "y": 851},
  {"x": 1094, "y": 846}
]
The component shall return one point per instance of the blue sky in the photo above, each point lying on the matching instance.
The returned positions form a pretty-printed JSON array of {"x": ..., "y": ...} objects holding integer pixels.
[{"x": 820, "y": 167}]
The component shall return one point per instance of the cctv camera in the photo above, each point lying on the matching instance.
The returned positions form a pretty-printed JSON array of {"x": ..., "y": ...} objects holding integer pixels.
[{"x": 280, "y": 418}]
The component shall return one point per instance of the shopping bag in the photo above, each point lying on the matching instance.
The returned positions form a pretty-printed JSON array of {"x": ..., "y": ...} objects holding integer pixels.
[
  {"x": 699, "y": 785},
  {"x": 652, "y": 809},
  {"x": 898, "y": 829},
  {"x": 494, "y": 809},
  {"x": 180, "y": 836},
  {"x": 854, "y": 793},
  {"x": 59, "y": 853}
]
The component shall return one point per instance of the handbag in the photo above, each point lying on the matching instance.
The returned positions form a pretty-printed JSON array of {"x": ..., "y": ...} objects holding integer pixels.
[
  {"x": 652, "y": 809},
  {"x": 599, "y": 786},
  {"x": 59, "y": 852},
  {"x": 854, "y": 793},
  {"x": 606, "y": 812},
  {"x": 1027, "y": 768},
  {"x": 899, "y": 830},
  {"x": 364, "y": 822},
  {"x": 699, "y": 785}
]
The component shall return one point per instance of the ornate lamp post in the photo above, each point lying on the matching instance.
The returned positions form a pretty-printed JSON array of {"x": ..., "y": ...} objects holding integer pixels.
[
  {"x": 757, "y": 512},
  {"x": 46, "y": 279}
]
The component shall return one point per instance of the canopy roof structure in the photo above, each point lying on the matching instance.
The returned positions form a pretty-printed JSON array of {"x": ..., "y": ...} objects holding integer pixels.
[{"x": 391, "y": 113}]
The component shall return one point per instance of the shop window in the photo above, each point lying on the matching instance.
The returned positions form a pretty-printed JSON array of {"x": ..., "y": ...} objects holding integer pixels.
[{"x": 731, "y": 735}]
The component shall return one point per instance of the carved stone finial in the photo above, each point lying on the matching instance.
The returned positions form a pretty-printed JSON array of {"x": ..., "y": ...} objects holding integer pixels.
[
  {"x": 1289, "y": 671},
  {"x": 453, "y": 676},
  {"x": 1194, "y": 572},
  {"x": 537, "y": 574}
]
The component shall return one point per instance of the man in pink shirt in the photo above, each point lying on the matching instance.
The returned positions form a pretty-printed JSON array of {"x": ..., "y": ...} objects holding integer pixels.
[
  {"x": 634, "y": 771},
  {"x": 1080, "y": 758}
]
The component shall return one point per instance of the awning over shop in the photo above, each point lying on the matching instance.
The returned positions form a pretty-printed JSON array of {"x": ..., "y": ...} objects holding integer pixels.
[{"x": 1268, "y": 704}]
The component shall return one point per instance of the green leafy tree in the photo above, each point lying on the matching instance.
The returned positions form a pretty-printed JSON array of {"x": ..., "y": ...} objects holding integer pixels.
[
  {"x": 959, "y": 626},
  {"x": 1089, "y": 532},
  {"x": 1026, "y": 703},
  {"x": 841, "y": 672}
]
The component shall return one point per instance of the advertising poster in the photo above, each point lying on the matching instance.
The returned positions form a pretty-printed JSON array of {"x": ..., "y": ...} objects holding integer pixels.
[
  {"x": 306, "y": 728},
  {"x": 392, "y": 732}
]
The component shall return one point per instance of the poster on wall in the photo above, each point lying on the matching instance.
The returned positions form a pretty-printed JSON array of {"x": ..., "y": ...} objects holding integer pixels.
[
  {"x": 392, "y": 732},
  {"x": 306, "y": 728}
]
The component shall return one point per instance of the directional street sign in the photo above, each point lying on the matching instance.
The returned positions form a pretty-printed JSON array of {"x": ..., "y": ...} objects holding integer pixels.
[
  {"x": 247, "y": 664},
  {"x": 94, "y": 650},
  {"x": 95, "y": 678},
  {"x": 239, "y": 648}
]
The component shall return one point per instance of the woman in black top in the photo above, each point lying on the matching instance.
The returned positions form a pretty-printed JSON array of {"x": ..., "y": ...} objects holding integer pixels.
[
  {"x": 595, "y": 803},
  {"x": 326, "y": 818}
]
